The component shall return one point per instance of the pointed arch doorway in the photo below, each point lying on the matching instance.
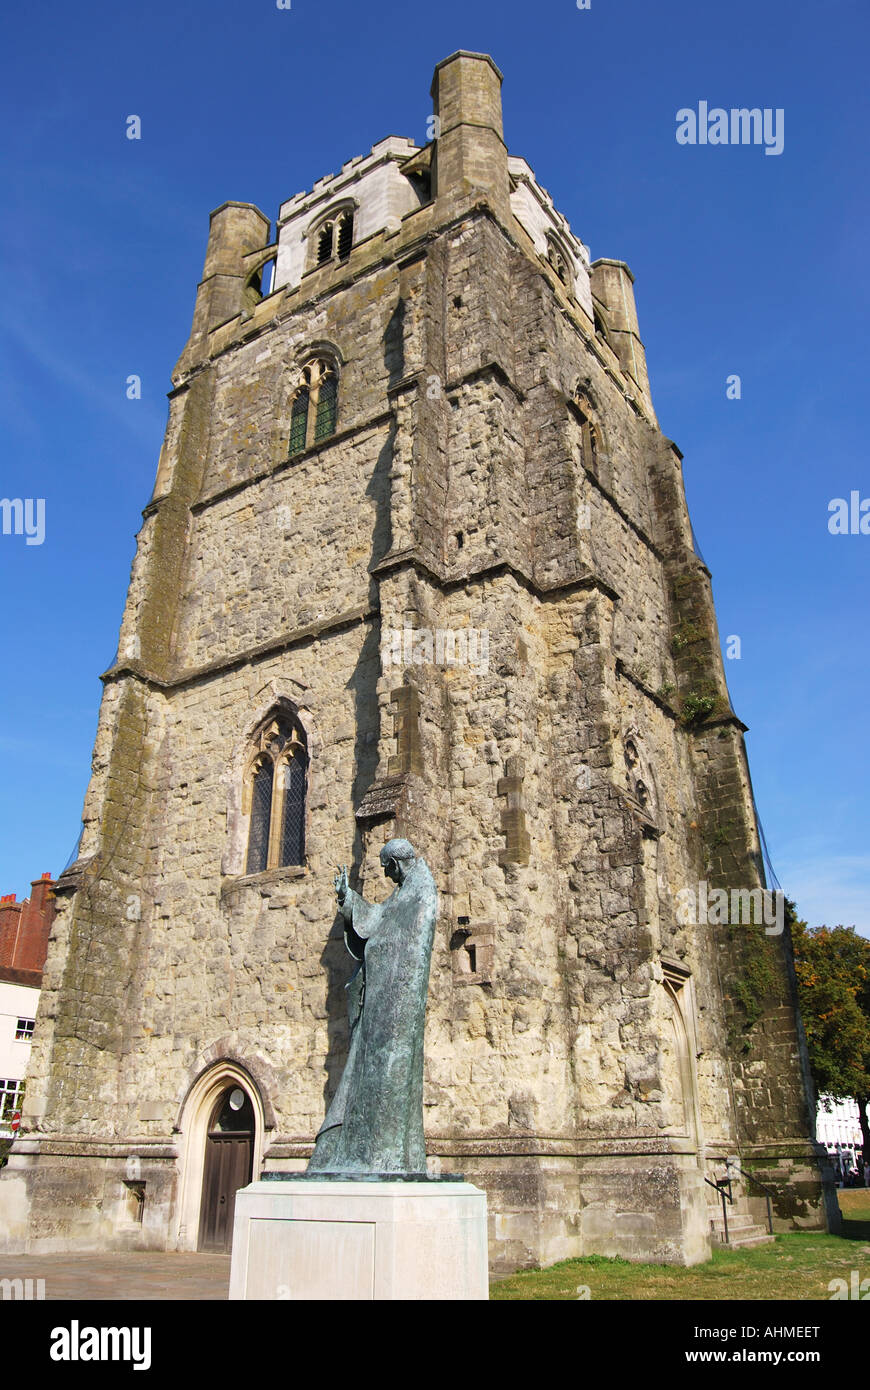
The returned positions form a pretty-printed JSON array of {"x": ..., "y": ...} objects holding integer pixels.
[
  {"x": 228, "y": 1165},
  {"x": 200, "y": 1126}
]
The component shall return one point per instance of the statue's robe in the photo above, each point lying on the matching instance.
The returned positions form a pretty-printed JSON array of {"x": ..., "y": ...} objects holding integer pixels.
[{"x": 375, "y": 1122}]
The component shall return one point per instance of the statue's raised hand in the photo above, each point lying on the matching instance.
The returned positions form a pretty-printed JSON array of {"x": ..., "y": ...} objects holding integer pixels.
[{"x": 341, "y": 884}]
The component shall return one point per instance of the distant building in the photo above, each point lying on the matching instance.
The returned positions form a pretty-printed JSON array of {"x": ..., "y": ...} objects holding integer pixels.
[
  {"x": 24, "y": 932},
  {"x": 837, "y": 1123},
  {"x": 838, "y": 1127}
]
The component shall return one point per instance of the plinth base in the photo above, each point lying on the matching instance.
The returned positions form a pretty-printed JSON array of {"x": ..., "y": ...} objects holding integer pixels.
[{"x": 337, "y": 1240}]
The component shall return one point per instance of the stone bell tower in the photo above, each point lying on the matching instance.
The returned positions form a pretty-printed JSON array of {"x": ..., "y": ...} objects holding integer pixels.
[{"x": 417, "y": 562}]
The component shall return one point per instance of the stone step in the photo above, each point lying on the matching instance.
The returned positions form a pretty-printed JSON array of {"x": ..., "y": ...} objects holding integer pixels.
[
  {"x": 743, "y": 1241},
  {"x": 743, "y": 1232},
  {"x": 736, "y": 1219}
]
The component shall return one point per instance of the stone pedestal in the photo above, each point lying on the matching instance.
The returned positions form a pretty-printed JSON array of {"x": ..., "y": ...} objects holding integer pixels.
[{"x": 323, "y": 1239}]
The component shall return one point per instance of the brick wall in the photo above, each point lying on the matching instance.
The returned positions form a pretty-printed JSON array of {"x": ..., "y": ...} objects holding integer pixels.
[{"x": 25, "y": 927}]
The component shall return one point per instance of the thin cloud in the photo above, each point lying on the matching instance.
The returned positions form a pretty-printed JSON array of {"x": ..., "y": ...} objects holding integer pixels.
[
  {"x": 141, "y": 419},
  {"x": 830, "y": 889}
]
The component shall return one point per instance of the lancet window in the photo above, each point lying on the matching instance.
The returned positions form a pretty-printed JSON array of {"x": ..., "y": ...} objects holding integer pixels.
[
  {"x": 275, "y": 795},
  {"x": 314, "y": 412}
]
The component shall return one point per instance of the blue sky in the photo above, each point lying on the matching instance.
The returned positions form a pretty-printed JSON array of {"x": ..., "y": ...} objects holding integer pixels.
[{"x": 744, "y": 263}]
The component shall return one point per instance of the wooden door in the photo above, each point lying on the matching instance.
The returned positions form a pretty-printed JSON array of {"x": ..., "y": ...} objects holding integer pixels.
[{"x": 229, "y": 1159}]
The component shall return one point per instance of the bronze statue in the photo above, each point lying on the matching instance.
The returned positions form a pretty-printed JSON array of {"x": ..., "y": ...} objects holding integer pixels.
[{"x": 374, "y": 1125}]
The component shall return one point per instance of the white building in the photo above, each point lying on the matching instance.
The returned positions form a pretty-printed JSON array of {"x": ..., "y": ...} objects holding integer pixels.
[
  {"x": 24, "y": 932},
  {"x": 17, "y": 1018},
  {"x": 839, "y": 1124}
]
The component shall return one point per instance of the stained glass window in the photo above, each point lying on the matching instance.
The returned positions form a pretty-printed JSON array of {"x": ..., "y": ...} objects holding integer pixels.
[
  {"x": 261, "y": 815},
  {"x": 277, "y": 795},
  {"x": 315, "y": 406},
  {"x": 324, "y": 424},
  {"x": 293, "y": 830},
  {"x": 299, "y": 421}
]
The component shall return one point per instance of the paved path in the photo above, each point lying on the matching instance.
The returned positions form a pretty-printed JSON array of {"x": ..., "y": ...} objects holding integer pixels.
[{"x": 134, "y": 1276}]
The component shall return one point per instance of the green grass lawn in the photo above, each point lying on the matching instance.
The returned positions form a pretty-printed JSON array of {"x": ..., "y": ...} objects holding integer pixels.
[
  {"x": 855, "y": 1203},
  {"x": 799, "y": 1265}
]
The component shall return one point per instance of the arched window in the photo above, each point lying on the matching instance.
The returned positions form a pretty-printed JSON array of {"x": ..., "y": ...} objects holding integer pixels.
[
  {"x": 261, "y": 815},
  {"x": 327, "y": 399},
  {"x": 602, "y": 328},
  {"x": 333, "y": 240},
  {"x": 589, "y": 441},
  {"x": 639, "y": 780},
  {"x": 345, "y": 235},
  {"x": 315, "y": 406},
  {"x": 590, "y": 444},
  {"x": 299, "y": 419},
  {"x": 275, "y": 795},
  {"x": 678, "y": 1080},
  {"x": 559, "y": 260},
  {"x": 324, "y": 243}
]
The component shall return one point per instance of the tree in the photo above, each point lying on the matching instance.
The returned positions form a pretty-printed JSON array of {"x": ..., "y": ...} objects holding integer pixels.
[{"x": 833, "y": 976}]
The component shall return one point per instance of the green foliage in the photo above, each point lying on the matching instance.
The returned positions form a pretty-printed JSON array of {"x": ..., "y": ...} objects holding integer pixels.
[
  {"x": 698, "y": 705},
  {"x": 665, "y": 691},
  {"x": 685, "y": 635},
  {"x": 754, "y": 982},
  {"x": 833, "y": 975}
]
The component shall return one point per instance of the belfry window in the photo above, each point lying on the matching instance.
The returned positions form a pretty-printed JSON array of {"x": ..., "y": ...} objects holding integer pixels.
[
  {"x": 345, "y": 235},
  {"x": 559, "y": 261},
  {"x": 334, "y": 239},
  {"x": 275, "y": 795},
  {"x": 314, "y": 411},
  {"x": 324, "y": 244}
]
